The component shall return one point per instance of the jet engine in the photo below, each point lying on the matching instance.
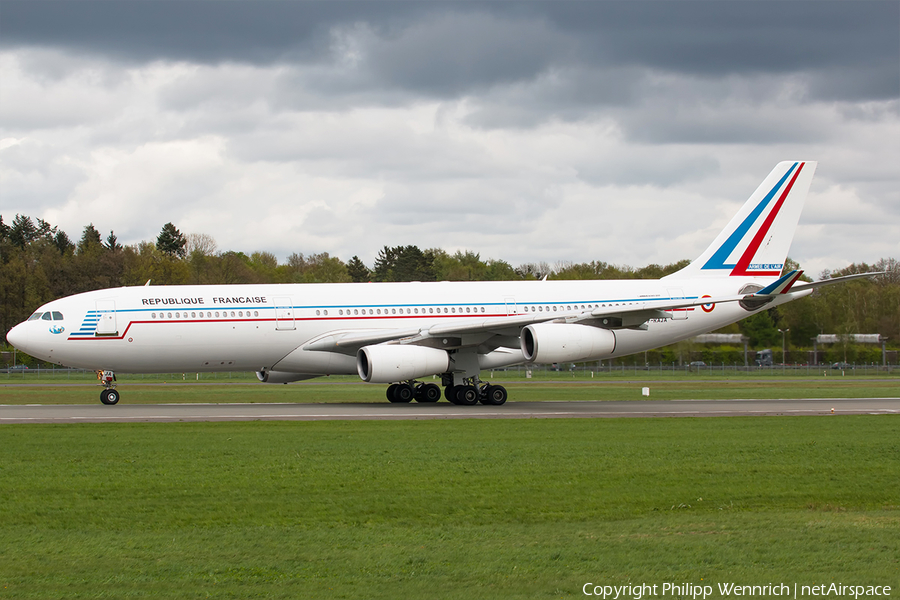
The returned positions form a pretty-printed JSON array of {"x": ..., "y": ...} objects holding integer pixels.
[
  {"x": 389, "y": 363},
  {"x": 563, "y": 342}
]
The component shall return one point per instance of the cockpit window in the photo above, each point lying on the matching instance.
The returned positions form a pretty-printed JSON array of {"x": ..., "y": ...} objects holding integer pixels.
[
  {"x": 57, "y": 316},
  {"x": 47, "y": 317},
  {"x": 35, "y": 316}
]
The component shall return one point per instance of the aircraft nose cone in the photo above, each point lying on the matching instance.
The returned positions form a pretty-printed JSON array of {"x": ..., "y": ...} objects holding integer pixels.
[{"x": 17, "y": 337}]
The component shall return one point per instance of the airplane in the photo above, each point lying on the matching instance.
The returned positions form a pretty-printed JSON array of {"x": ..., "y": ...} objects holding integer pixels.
[{"x": 400, "y": 333}]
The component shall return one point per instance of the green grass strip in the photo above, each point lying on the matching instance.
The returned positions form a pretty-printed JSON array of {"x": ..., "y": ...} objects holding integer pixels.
[
  {"x": 445, "y": 509},
  {"x": 353, "y": 391}
]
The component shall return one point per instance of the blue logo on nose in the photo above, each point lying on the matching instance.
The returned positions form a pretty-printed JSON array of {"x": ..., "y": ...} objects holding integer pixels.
[{"x": 57, "y": 329}]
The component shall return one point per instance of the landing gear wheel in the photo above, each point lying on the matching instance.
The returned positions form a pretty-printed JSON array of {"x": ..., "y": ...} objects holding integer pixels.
[
  {"x": 466, "y": 395},
  {"x": 450, "y": 394},
  {"x": 428, "y": 393},
  {"x": 403, "y": 392},
  {"x": 390, "y": 392},
  {"x": 493, "y": 395},
  {"x": 109, "y": 397}
]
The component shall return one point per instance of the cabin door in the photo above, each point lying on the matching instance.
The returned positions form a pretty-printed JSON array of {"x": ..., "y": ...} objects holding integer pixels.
[
  {"x": 678, "y": 314},
  {"x": 106, "y": 318},
  {"x": 284, "y": 314}
]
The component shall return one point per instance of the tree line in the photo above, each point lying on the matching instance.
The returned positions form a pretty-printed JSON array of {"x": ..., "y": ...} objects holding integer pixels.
[{"x": 39, "y": 263}]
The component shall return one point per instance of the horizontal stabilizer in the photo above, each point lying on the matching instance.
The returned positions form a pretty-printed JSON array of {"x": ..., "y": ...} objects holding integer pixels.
[{"x": 823, "y": 282}]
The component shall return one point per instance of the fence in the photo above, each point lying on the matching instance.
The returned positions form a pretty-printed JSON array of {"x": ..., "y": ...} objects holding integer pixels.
[{"x": 584, "y": 371}]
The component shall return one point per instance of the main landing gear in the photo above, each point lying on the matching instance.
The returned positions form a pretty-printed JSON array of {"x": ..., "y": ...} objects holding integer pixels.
[
  {"x": 421, "y": 392},
  {"x": 109, "y": 395},
  {"x": 470, "y": 393}
]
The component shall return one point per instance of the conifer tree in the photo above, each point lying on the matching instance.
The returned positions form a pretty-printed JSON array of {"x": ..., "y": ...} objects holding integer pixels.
[
  {"x": 358, "y": 271},
  {"x": 171, "y": 241}
]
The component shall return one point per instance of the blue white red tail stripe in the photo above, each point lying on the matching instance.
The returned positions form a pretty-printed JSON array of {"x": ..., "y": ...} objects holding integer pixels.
[{"x": 744, "y": 266}]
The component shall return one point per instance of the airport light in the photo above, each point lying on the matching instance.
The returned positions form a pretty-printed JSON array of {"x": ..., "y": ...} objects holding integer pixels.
[{"x": 783, "y": 332}]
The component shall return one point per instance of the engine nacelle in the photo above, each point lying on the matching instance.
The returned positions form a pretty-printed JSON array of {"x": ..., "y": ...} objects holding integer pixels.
[
  {"x": 389, "y": 363},
  {"x": 563, "y": 342},
  {"x": 282, "y": 376}
]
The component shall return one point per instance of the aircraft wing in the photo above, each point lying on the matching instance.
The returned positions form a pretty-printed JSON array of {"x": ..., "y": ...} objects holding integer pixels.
[
  {"x": 612, "y": 317},
  {"x": 475, "y": 332},
  {"x": 348, "y": 342}
]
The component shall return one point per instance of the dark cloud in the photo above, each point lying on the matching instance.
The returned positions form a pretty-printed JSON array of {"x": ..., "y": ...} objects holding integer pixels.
[
  {"x": 450, "y": 49},
  {"x": 189, "y": 30}
]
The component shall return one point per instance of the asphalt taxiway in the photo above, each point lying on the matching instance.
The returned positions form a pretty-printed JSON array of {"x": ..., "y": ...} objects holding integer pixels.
[{"x": 130, "y": 413}]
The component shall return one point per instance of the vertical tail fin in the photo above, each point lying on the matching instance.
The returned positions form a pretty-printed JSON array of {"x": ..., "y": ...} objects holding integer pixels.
[{"x": 756, "y": 241}]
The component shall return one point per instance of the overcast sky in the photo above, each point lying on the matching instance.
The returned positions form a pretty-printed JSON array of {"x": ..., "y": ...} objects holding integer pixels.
[{"x": 627, "y": 132}]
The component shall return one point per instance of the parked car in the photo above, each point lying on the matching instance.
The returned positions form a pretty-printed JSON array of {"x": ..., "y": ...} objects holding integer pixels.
[
  {"x": 17, "y": 369},
  {"x": 698, "y": 363},
  {"x": 841, "y": 366}
]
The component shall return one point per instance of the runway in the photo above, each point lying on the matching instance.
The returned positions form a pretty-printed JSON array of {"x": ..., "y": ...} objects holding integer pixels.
[{"x": 149, "y": 413}]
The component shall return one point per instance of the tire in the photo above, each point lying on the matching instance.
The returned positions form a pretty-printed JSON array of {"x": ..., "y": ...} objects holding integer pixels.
[
  {"x": 390, "y": 392},
  {"x": 466, "y": 395},
  {"x": 404, "y": 393},
  {"x": 494, "y": 395},
  {"x": 450, "y": 394},
  {"x": 109, "y": 397},
  {"x": 430, "y": 393}
]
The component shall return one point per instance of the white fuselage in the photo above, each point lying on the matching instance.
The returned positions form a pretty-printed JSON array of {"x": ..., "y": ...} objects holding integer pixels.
[{"x": 265, "y": 327}]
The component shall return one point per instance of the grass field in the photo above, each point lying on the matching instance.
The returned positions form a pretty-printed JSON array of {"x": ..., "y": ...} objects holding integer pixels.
[
  {"x": 349, "y": 389},
  {"x": 445, "y": 509}
]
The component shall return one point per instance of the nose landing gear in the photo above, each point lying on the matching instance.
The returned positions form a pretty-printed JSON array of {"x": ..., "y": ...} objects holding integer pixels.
[{"x": 109, "y": 395}]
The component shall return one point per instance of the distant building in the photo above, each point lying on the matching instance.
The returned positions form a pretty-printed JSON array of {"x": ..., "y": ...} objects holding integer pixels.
[
  {"x": 856, "y": 338},
  {"x": 736, "y": 339}
]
